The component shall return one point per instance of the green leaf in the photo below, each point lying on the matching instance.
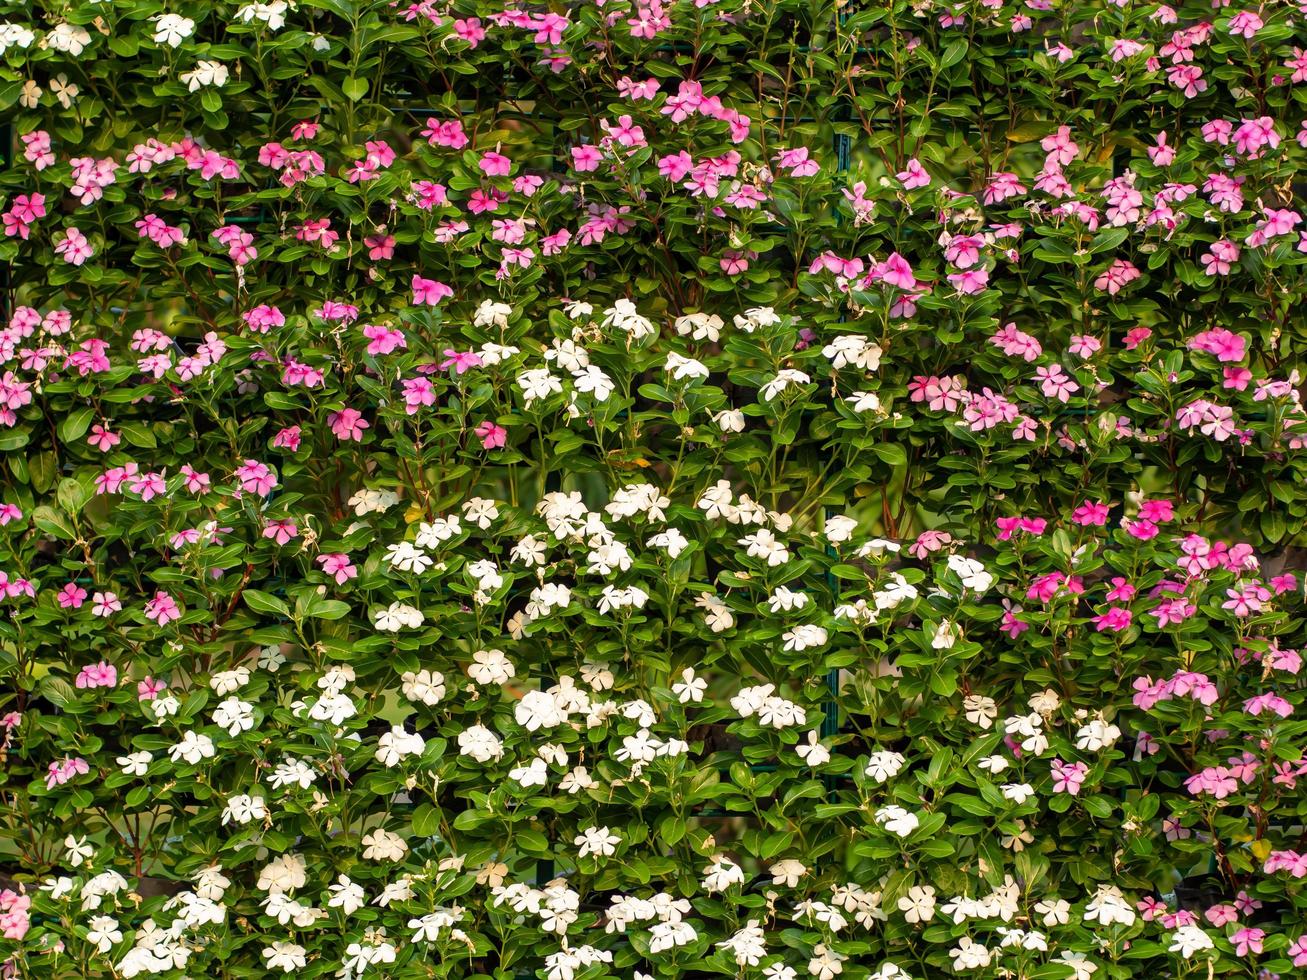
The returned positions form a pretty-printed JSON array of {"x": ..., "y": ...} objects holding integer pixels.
[
  {"x": 354, "y": 88},
  {"x": 261, "y": 602}
]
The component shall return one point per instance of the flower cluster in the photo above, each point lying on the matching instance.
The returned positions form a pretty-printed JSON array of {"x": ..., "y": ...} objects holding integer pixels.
[{"x": 652, "y": 489}]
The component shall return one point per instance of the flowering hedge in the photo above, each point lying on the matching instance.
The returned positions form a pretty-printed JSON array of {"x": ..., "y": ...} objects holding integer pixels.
[{"x": 652, "y": 489}]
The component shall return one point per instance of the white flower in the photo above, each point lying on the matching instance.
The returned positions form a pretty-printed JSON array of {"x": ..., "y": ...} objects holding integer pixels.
[
  {"x": 747, "y": 945},
  {"x": 490, "y": 667},
  {"x": 396, "y": 745},
  {"x": 424, "y": 686},
  {"x": 1018, "y": 793},
  {"x": 980, "y": 710},
  {"x": 804, "y": 637},
  {"x": 407, "y": 558},
  {"x": 480, "y": 743},
  {"x": 1188, "y": 940},
  {"x": 864, "y": 401},
  {"x": 69, "y": 38},
  {"x": 897, "y": 820},
  {"x": 1082, "y": 968},
  {"x": 243, "y": 809},
  {"x": 192, "y": 748},
  {"x": 700, "y": 326},
  {"x": 536, "y": 710},
  {"x": 839, "y": 528},
  {"x": 969, "y": 955},
  {"x": 538, "y": 384},
  {"x": 624, "y": 316},
  {"x": 730, "y": 420},
  {"x": 398, "y": 616},
  {"x": 31, "y": 94},
  {"x": 285, "y": 956},
  {"x": 598, "y": 841},
  {"x": 439, "y": 531},
  {"x": 716, "y": 613},
  {"x": 918, "y": 905},
  {"x": 592, "y": 381},
  {"x": 292, "y": 772},
  {"x": 77, "y": 850},
  {"x": 346, "y": 895},
  {"x": 1108, "y": 905},
  {"x": 382, "y": 845},
  {"x": 492, "y": 314},
  {"x": 813, "y": 753},
  {"x": 136, "y": 763},
  {"x": 234, "y": 716},
  {"x": 206, "y": 73},
  {"x": 784, "y": 378},
  {"x": 366, "y": 501},
  {"x": 851, "y": 350},
  {"x": 1096, "y": 735},
  {"x": 685, "y": 368},
  {"x": 273, "y": 14},
  {"x": 884, "y": 765},
  {"x": 945, "y": 635},
  {"x": 1055, "y": 911},
  {"x": 689, "y": 689},
  {"x": 225, "y": 682},
  {"x": 763, "y": 544},
  {"x": 103, "y": 932},
  {"x": 722, "y": 874},
  {"x": 172, "y": 29},
  {"x": 15, "y": 36},
  {"x": 787, "y": 872},
  {"x": 971, "y": 572},
  {"x": 64, "y": 90},
  {"x": 283, "y": 874}
]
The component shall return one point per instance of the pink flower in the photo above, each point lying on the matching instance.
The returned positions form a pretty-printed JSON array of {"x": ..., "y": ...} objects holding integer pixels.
[
  {"x": 348, "y": 424},
  {"x": 105, "y": 604},
  {"x": 494, "y": 164},
  {"x": 64, "y": 770},
  {"x": 460, "y": 361},
  {"x": 1068, "y": 777},
  {"x": 288, "y": 438},
  {"x": 102, "y": 439},
  {"x": 1116, "y": 619},
  {"x": 338, "y": 566},
  {"x": 97, "y": 675},
  {"x": 492, "y": 436},
  {"x": 162, "y": 609},
  {"x": 281, "y": 531},
  {"x": 585, "y": 158},
  {"x": 1090, "y": 514},
  {"x": 913, "y": 175},
  {"x": 1298, "y": 950},
  {"x": 1248, "y": 941},
  {"x": 71, "y": 596},
  {"x": 75, "y": 247},
  {"x": 255, "y": 478},
  {"x": 149, "y": 689},
  {"x": 429, "y": 292}
]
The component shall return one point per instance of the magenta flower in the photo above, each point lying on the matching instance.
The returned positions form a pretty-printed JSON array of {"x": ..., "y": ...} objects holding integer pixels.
[
  {"x": 1068, "y": 777},
  {"x": 64, "y": 770},
  {"x": 348, "y": 424},
  {"x": 338, "y": 566},
  {"x": 492, "y": 436},
  {"x": 162, "y": 609},
  {"x": 429, "y": 292},
  {"x": 460, "y": 361},
  {"x": 97, "y": 675},
  {"x": 281, "y": 531}
]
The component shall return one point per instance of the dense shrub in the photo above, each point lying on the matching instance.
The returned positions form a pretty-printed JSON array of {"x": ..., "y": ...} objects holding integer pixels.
[{"x": 649, "y": 489}]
